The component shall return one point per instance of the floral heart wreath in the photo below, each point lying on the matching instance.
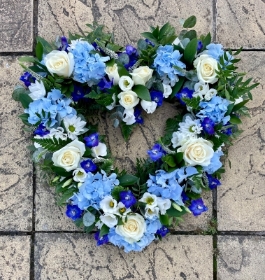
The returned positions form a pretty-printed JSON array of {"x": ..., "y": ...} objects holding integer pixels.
[{"x": 71, "y": 80}]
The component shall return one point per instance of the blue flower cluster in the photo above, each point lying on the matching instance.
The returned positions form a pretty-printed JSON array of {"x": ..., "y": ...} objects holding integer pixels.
[
  {"x": 94, "y": 189},
  {"x": 152, "y": 226},
  {"x": 216, "y": 51},
  {"x": 89, "y": 66},
  {"x": 50, "y": 109},
  {"x": 215, "y": 163},
  {"x": 165, "y": 62}
]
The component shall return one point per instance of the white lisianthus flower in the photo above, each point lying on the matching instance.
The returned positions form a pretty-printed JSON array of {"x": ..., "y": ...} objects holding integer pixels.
[
  {"x": 151, "y": 213},
  {"x": 113, "y": 74},
  {"x": 179, "y": 139},
  {"x": 74, "y": 126},
  {"x": 126, "y": 83},
  {"x": 149, "y": 106},
  {"x": 133, "y": 228},
  {"x": 210, "y": 94},
  {"x": 99, "y": 151},
  {"x": 150, "y": 200},
  {"x": 128, "y": 116},
  {"x": 163, "y": 204},
  {"x": 206, "y": 68},
  {"x": 201, "y": 87},
  {"x": 121, "y": 210},
  {"x": 69, "y": 156},
  {"x": 79, "y": 175},
  {"x": 109, "y": 220},
  {"x": 167, "y": 90},
  {"x": 108, "y": 204},
  {"x": 37, "y": 90},
  {"x": 60, "y": 63},
  {"x": 128, "y": 99},
  {"x": 141, "y": 75},
  {"x": 190, "y": 127},
  {"x": 112, "y": 105},
  {"x": 197, "y": 152}
]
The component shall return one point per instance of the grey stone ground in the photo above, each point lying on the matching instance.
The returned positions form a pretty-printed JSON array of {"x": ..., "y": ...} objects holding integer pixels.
[{"x": 38, "y": 242}]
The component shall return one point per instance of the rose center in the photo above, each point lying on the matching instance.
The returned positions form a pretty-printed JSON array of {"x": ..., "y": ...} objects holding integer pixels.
[
  {"x": 128, "y": 99},
  {"x": 68, "y": 158},
  {"x": 58, "y": 64},
  {"x": 131, "y": 226}
]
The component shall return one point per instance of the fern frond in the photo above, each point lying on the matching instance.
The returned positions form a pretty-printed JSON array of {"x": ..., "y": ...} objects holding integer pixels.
[{"x": 51, "y": 144}]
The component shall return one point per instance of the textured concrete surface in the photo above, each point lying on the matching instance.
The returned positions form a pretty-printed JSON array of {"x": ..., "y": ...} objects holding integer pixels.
[
  {"x": 241, "y": 258},
  {"x": 75, "y": 256},
  {"x": 14, "y": 257},
  {"x": 15, "y": 163}
]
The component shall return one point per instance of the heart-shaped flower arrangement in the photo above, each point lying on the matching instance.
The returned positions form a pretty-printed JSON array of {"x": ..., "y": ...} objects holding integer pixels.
[{"x": 72, "y": 79}]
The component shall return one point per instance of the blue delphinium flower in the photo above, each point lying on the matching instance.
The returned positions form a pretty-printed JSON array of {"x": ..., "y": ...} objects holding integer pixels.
[
  {"x": 79, "y": 93},
  {"x": 62, "y": 44},
  {"x": 215, "y": 163},
  {"x": 213, "y": 182},
  {"x": 149, "y": 42},
  {"x": 163, "y": 231},
  {"x": 137, "y": 114},
  {"x": 165, "y": 62},
  {"x": 184, "y": 93},
  {"x": 94, "y": 189},
  {"x": 228, "y": 131},
  {"x": 92, "y": 140},
  {"x": 215, "y": 109},
  {"x": 127, "y": 198},
  {"x": 156, "y": 152},
  {"x": 133, "y": 56},
  {"x": 89, "y": 66},
  {"x": 208, "y": 126},
  {"x": 73, "y": 212},
  {"x": 27, "y": 79},
  {"x": 105, "y": 84},
  {"x": 157, "y": 96},
  {"x": 199, "y": 46},
  {"x": 41, "y": 130},
  {"x": 184, "y": 197},
  {"x": 197, "y": 207},
  {"x": 88, "y": 165},
  {"x": 101, "y": 240}
]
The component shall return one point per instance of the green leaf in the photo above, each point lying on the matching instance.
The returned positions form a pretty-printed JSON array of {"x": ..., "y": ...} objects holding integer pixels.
[
  {"x": 235, "y": 120},
  {"x": 179, "y": 157},
  {"x": 142, "y": 92},
  {"x": 47, "y": 47},
  {"x": 17, "y": 91},
  {"x": 190, "y": 22},
  {"x": 24, "y": 117},
  {"x": 116, "y": 192},
  {"x": 122, "y": 71},
  {"x": 191, "y": 34},
  {"x": 190, "y": 51},
  {"x": 25, "y": 100},
  {"x": 103, "y": 231},
  {"x": 149, "y": 36},
  {"x": 164, "y": 219},
  {"x": 177, "y": 86},
  {"x": 239, "y": 105},
  {"x": 206, "y": 40},
  {"x": 61, "y": 171},
  {"x": 52, "y": 144},
  {"x": 69, "y": 193},
  {"x": 172, "y": 212},
  {"x": 39, "y": 51},
  {"x": 127, "y": 180},
  {"x": 27, "y": 59},
  {"x": 169, "y": 159},
  {"x": 126, "y": 130},
  {"x": 193, "y": 102}
]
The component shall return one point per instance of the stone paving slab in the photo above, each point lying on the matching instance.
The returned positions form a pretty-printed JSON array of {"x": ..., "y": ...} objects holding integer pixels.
[
  {"x": 241, "y": 258},
  {"x": 241, "y": 23},
  {"x": 75, "y": 256},
  {"x": 241, "y": 196},
  {"x": 127, "y": 19},
  {"x": 15, "y": 163},
  {"x": 16, "y": 25},
  {"x": 14, "y": 257}
]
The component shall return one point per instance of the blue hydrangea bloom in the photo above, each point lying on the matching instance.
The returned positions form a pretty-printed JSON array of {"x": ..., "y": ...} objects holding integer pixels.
[
  {"x": 92, "y": 140},
  {"x": 215, "y": 163},
  {"x": 166, "y": 59},
  {"x": 163, "y": 231},
  {"x": 41, "y": 130},
  {"x": 208, "y": 126},
  {"x": 94, "y": 189},
  {"x": 216, "y": 51},
  {"x": 213, "y": 182},
  {"x": 157, "y": 96},
  {"x": 152, "y": 226},
  {"x": 184, "y": 172},
  {"x": 27, "y": 79},
  {"x": 101, "y": 240},
  {"x": 73, "y": 212},
  {"x": 184, "y": 93},
  {"x": 127, "y": 198},
  {"x": 215, "y": 109},
  {"x": 166, "y": 185},
  {"x": 89, "y": 66},
  {"x": 88, "y": 165},
  {"x": 197, "y": 207},
  {"x": 156, "y": 152}
]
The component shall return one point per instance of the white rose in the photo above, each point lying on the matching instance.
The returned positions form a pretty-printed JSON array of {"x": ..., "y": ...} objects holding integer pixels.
[
  {"x": 126, "y": 83},
  {"x": 37, "y": 90},
  {"x": 210, "y": 94},
  {"x": 167, "y": 90},
  {"x": 60, "y": 63},
  {"x": 128, "y": 99},
  {"x": 79, "y": 175},
  {"x": 149, "y": 106},
  {"x": 197, "y": 152},
  {"x": 206, "y": 68},
  {"x": 69, "y": 156},
  {"x": 109, "y": 220},
  {"x": 128, "y": 116},
  {"x": 112, "y": 72},
  {"x": 141, "y": 75},
  {"x": 99, "y": 150},
  {"x": 133, "y": 228}
]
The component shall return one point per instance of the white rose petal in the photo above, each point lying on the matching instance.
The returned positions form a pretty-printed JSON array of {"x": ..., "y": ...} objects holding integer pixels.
[
  {"x": 128, "y": 116},
  {"x": 167, "y": 90},
  {"x": 128, "y": 99},
  {"x": 37, "y": 90},
  {"x": 79, "y": 175},
  {"x": 141, "y": 75},
  {"x": 112, "y": 72},
  {"x": 206, "y": 68},
  {"x": 133, "y": 229},
  {"x": 108, "y": 204},
  {"x": 69, "y": 156},
  {"x": 109, "y": 220},
  {"x": 99, "y": 150},
  {"x": 197, "y": 152},
  {"x": 126, "y": 83},
  {"x": 149, "y": 106},
  {"x": 60, "y": 63},
  {"x": 163, "y": 204}
]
